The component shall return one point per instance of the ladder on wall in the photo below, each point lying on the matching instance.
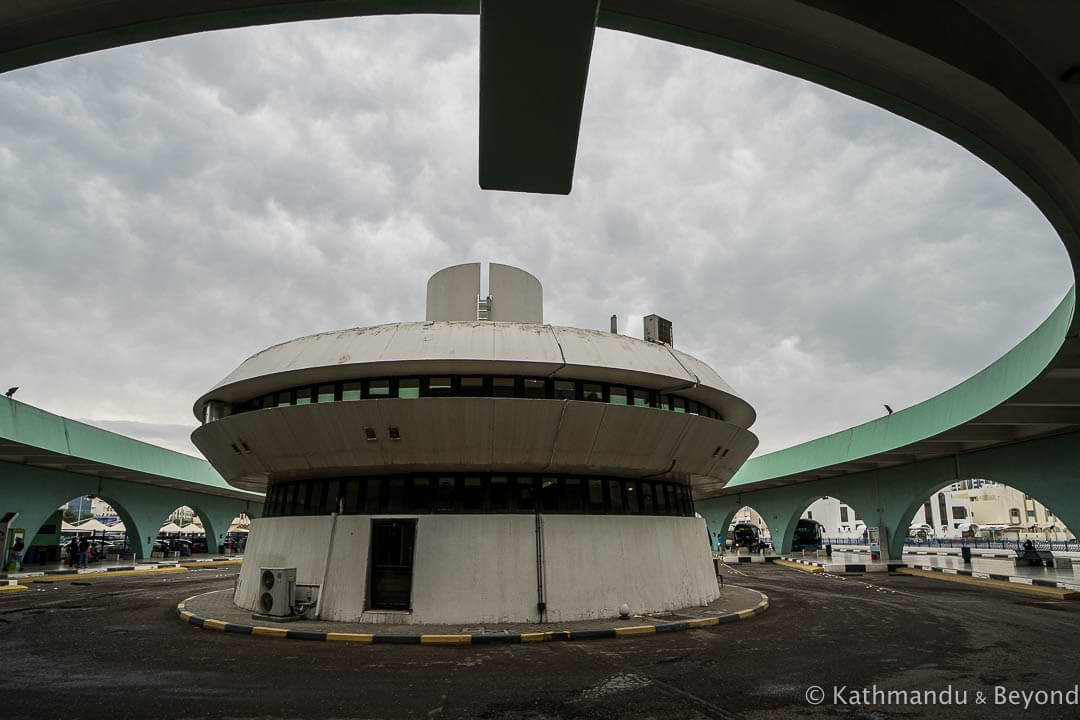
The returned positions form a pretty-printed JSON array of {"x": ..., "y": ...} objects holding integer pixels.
[{"x": 483, "y": 307}]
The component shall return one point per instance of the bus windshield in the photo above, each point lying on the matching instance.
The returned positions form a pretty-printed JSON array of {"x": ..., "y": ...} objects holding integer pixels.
[{"x": 807, "y": 535}]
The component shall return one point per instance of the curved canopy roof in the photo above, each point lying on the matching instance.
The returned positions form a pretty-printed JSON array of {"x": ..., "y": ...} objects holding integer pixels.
[{"x": 1000, "y": 78}]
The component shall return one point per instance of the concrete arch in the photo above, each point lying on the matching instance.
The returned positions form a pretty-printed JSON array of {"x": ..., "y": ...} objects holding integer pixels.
[
  {"x": 36, "y": 508},
  {"x": 1054, "y": 485},
  {"x": 36, "y": 492},
  {"x": 724, "y": 531},
  {"x": 215, "y": 521}
]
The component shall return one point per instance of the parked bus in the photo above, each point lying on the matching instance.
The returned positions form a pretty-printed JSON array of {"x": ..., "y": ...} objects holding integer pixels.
[
  {"x": 747, "y": 535},
  {"x": 807, "y": 536}
]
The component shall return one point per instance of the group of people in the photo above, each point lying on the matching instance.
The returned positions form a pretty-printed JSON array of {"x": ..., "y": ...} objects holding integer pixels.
[{"x": 78, "y": 553}]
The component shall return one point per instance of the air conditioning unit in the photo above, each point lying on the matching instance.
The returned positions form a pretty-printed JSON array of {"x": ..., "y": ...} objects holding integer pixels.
[{"x": 277, "y": 590}]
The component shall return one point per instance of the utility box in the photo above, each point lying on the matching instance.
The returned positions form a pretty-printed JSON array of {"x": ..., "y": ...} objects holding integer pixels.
[
  {"x": 879, "y": 544},
  {"x": 277, "y": 591},
  {"x": 658, "y": 330}
]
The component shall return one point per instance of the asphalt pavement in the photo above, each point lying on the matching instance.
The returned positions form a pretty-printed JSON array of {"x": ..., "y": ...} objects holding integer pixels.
[{"x": 114, "y": 647}]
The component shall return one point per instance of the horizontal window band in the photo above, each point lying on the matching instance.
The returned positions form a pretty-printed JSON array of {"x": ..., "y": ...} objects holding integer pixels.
[
  {"x": 478, "y": 493},
  {"x": 511, "y": 386}
]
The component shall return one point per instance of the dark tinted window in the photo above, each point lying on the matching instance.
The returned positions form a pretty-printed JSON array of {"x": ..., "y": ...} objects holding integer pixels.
[
  {"x": 475, "y": 387},
  {"x": 615, "y": 496},
  {"x": 472, "y": 495},
  {"x": 633, "y": 502},
  {"x": 373, "y": 496},
  {"x": 444, "y": 494},
  {"x": 534, "y": 387},
  {"x": 596, "y": 495},
  {"x": 524, "y": 500},
  {"x": 549, "y": 494},
  {"x": 440, "y": 386},
  {"x": 564, "y": 390},
  {"x": 420, "y": 494},
  {"x": 593, "y": 392},
  {"x": 396, "y": 498},
  {"x": 574, "y": 499},
  {"x": 498, "y": 494}
]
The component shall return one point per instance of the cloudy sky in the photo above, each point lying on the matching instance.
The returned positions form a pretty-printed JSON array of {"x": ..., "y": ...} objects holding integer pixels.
[{"x": 168, "y": 209}]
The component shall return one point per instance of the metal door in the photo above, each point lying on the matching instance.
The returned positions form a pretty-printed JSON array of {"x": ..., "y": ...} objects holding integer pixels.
[{"x": 392, "y": 564}]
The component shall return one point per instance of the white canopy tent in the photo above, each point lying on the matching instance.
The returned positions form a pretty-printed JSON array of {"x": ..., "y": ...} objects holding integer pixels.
[{"x": 88, "y": 527}]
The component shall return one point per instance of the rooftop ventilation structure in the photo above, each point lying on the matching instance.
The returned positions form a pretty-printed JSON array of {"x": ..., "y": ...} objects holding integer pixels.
[
  {"x": 658, "y": 330},
  {"x": 513, "y": 295}
]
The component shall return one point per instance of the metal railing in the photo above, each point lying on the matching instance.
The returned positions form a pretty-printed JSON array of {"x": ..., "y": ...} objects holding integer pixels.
[{"x": 975, "y": 543}]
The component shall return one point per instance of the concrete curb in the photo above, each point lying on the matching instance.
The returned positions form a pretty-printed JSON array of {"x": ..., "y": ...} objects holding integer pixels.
[
  {"x": 208, "y": 563},
  {"x": 997, "y": 577},
  {"x": 847, "y": 567},
  {"x": 12, "y": 588},
  {"x": 982, "y": 554},
  {"x": 111, "y": 573},
  {"x": 466, "y": 639},
  {"x": 804, "y": 565}
]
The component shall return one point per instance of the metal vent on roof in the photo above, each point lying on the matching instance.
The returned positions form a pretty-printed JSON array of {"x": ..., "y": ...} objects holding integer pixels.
[{"x": 658, "y": 330}]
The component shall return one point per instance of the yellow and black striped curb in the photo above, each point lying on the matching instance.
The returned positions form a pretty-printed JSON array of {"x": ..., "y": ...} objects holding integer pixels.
[
  {"x": 996, "y": 583},
  {"x": 467, "y": 639},
  {"x": 799, "y": 566},
  {"x": 66, "y": 577}
]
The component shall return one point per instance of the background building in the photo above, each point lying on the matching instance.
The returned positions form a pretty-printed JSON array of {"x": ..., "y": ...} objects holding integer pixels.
[{"x": 968, "y": 508}]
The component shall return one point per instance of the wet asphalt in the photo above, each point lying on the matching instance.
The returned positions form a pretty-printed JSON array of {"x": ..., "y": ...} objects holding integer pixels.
[{"x": 114, "y": 648}]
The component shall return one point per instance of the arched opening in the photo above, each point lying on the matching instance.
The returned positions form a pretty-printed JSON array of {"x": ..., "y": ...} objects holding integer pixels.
[
  {"x": 81, "y": 532},
  {"x": 236, "y": 534},
  {"x": 981, "y": 512},
  {"x": 182, "y": 535},
  {"x": 841, "y": 523},
  {"x": 747, "y": 532}
]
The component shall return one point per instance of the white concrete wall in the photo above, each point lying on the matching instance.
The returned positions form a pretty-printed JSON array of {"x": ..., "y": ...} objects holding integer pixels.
[
  {"x": 516, "y": 296},
  {"x": 497, "y": 434},
  {"x": 482, "y": 568},
  {"x": 298, "y": 542},
  {"x": 451, "y": 293}
]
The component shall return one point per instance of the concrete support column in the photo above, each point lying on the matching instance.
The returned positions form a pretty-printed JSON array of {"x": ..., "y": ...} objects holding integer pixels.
[{"x": 216, "y": 524}]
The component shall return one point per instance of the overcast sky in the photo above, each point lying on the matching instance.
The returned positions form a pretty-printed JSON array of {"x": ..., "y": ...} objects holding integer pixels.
[{"x": 168, "y": 209}]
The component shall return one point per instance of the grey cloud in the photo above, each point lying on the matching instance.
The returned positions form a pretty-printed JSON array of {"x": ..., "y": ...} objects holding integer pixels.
[{"x": 168, "y": 209}]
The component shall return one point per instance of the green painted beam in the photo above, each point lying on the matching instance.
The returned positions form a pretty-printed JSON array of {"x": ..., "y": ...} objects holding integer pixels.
[
  {"x": 35, "y": 428},
  {"x": 981, "y": 392},
  {"x": 534, "y": 62},
  {"x": 35, "y": 493}
]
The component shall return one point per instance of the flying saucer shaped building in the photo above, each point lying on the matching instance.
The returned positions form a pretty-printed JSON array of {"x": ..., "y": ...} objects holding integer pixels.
[{"x": 479, "y": 466}]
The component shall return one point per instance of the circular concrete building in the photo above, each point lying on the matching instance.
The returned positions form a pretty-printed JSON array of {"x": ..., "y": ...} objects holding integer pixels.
[{"x": 479, "y": 466}]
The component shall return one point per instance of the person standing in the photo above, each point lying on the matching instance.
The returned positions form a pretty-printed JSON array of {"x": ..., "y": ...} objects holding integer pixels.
[
  {"x": 73, "y": 552},
  {"x": 84, "y": 553},
  {"x": 17, "y": 554}
]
